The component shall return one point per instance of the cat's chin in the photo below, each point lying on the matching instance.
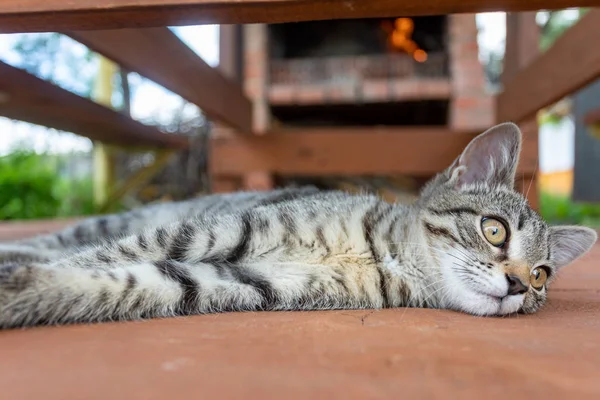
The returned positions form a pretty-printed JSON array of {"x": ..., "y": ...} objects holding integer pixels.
[
  {"x": 511, "y": 304},
  {"x": 482, "y": 304}
]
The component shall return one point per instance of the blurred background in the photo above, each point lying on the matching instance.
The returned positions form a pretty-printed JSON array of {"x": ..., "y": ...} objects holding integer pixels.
[{"x": 48, "y": 173}]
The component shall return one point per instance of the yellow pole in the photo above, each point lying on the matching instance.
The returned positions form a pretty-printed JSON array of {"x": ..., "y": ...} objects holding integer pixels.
[{"x": 103, "y": 164}]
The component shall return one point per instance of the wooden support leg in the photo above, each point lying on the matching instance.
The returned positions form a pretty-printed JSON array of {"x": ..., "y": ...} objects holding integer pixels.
[
  {"x": 221, "y": 183},
  {"x": 104, "y": 173},
  {"x": 224, "y": 184},
  {"x": 258, "y": 181},
  {"x": 528, "y": 186},
  {"x": 104, "y": 176},
  {"x": 527, "y": 181}
]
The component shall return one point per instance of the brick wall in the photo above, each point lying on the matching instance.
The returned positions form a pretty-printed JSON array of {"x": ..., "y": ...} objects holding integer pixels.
[
  {"x": 359, "y": 91},
  {"x": 326, "y": 70},
  {"x": 347, "y": 79}
]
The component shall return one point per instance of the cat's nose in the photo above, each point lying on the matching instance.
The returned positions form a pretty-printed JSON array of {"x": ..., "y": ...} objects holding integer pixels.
[{"x": 515, "y": 286}]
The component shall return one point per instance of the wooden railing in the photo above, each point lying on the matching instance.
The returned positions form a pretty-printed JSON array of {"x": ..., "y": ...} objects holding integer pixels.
[{"x": 60, "y": 15}]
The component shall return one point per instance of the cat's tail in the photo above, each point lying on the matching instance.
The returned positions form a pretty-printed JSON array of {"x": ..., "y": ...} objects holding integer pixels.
[
  {"x": 11, "y": 254},
  {"x": 46, "y": 295},
  {"x": 88, "y": 231}
]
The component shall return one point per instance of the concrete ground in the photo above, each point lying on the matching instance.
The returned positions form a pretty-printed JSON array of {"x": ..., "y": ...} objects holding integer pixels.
[{"x": 399, "y": 354}]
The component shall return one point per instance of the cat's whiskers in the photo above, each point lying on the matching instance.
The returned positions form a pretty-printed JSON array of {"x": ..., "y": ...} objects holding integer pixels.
[
  {"x": 440, "y": 251},
  {"x": 414, "y": 296},
  {"x": 470, "y": 275},
  {"x": 424, "y": 302},
  {"x": 461, "y": 267},
  {"x": 445, "y": 298}
]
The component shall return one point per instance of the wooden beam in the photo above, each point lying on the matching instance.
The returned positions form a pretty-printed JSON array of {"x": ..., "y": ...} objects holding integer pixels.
[
  {"x": 522, "y": 48},
  {"x": 348, "y": 151},
  {"x": 522, "y": 43},
  {"x": 230, "y": 40},
  {"x": 27, "y": 98},
  {"x": 256, "y": 74},
  {"x": 570, "y": 64},
  {"x": 104, "y": 176},
  {"x": 529, "y": 186},
  {"x": 60, "y": 15},
  {"x": 158, "y": 54}
]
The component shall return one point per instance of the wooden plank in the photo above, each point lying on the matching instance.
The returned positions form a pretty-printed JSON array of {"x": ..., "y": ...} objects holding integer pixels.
[
  {"x": 528, "y": 186},
  {"x": 24, "y": 229},
  {"x": 522, "y": 48},
  {"x": 348, "y": 151},
  {"x": 522, "y": 43},
  {"x": 28, "y": 98},
  {"x": 256, "y": 74},
  {"x": 570, "y": 64},
  {"x": 59, "y": 15},
  {"x": 230, "y": 63},
  {"x": 104, "y": 156},
  {"x": 158, "y": 54}
]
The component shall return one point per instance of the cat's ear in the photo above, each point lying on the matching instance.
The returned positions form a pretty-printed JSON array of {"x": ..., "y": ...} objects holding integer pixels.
[
  {"x": 490, "y": 158},
  {"x": 568, "y": 243}
]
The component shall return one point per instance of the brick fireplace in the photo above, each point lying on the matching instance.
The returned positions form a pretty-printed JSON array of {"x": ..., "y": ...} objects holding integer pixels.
[
  {"x": 405, "y": 71},
  {"x": 395, "y": 73},
  {"x": 358, "y": 61}
]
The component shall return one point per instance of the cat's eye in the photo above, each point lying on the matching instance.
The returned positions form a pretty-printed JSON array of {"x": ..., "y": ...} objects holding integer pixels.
[
  {"x": 494, "y": 231},
  {"x": 538, "y": 277}
]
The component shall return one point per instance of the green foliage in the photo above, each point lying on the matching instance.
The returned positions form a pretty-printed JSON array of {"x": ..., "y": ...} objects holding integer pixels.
[
  {"x": 58, "y": 59},
  {"x": 31, "y": 187},
  {"x": 550, "y": 119},
  {"x": 561, "y": 210},
  {"x": 39, "y": 52}
]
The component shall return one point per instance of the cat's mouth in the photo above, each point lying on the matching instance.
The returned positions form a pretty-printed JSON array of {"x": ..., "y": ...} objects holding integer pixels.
[
  {"x": 503, "y": 305},
  {"x": 479, "y": 302},
  {"x": 480, "y": 298}
]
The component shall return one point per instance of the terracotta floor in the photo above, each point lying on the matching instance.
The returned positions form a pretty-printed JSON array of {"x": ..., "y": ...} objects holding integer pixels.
[{"x": 395, "y": 354}]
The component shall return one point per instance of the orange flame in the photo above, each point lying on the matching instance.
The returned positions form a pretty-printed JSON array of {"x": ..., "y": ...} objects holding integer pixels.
[
  {"x": 399, "y": 37},
  {"x": 405, "y": 25}
]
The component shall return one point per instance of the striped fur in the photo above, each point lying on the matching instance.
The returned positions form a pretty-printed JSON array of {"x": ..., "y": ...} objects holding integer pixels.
[{"x": 291, "y": 249}]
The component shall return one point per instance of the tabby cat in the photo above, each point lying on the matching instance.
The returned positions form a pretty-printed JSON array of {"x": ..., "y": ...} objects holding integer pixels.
[{"x": 469, "y": 243}]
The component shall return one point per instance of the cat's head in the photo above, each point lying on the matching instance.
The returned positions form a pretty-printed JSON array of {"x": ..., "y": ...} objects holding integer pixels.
[{"x": 496, "y": 255}]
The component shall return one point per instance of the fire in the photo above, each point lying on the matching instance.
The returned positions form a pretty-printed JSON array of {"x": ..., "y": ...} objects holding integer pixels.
[
  {"x": 420, "y": 55},
  {"x": 399, "y": 35},
  {"x": 405, "y": 25}
]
